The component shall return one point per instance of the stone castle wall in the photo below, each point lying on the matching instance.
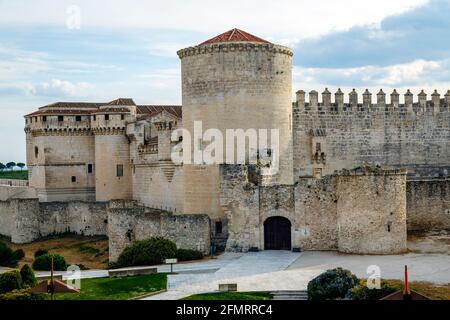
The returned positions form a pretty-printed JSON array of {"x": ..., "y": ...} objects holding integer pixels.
[
  {"x": 112, "y": 148},
  {"x": 323, "y": 213},
  {"x": 334, "y": 136},
  {"x": 128, "y": 222},
  {"x": 428, "y": 204},
  {"x": 26, "y": 220},
  {"x": 54, "y": 157},
  {"x": 371, "y": 213}
]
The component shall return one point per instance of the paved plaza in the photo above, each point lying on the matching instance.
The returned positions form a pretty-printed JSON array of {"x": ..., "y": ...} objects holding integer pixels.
[{"x": 284, "y": 270}]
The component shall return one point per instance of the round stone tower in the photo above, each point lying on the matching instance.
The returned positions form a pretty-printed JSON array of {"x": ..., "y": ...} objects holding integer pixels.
[{"x": 235, "y": 81}]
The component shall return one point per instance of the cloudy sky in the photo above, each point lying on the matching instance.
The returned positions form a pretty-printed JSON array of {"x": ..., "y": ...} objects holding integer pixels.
[{"x": 99, "y": 50}]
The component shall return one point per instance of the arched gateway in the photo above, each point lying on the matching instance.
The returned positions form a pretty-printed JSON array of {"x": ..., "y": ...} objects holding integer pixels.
[{"x": 277, "y": 234}]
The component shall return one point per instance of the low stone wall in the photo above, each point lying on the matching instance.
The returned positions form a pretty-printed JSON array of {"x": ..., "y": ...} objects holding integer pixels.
[
  {"x": 84, "y": 218},
  {"x": 428, "y": 204},
  {"x": 16, "y": 192},
  {"x": 13, "y": 182},
  {"x": 26, "y": 220},
  {"x": 128, "y": 222}
]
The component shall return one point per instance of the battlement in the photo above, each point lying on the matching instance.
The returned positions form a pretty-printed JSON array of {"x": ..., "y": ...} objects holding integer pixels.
[
  {"x": 233, "y": 47},
  {"x": 422, "y": 105}
]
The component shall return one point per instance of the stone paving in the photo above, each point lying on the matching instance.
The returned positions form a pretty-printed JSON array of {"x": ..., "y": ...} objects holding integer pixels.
[
  {"x": 282, "y": 270},
  {"x": 240, "y": 271}
]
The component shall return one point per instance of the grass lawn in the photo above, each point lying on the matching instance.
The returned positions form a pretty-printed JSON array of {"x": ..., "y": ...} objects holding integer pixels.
[
  {"x": 19, "y": 175},
  {"x": 117, "y": 288},
  {"x": 92, "y": 252},
  {"x": 231, "y": 296}
]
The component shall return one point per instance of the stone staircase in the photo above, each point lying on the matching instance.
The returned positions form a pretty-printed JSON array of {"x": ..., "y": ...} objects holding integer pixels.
[{"x": 290, "y": 295}]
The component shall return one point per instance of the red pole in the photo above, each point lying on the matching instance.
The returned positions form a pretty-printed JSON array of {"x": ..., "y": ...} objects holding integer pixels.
[{"x": 406, "y": 285}]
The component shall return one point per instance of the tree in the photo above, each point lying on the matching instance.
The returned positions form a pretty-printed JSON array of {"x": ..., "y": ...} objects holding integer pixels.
[
  {"x": 11, "y": 165},
  {"x": 21, "y": 165},
  {"x": 2, "y": 166}
]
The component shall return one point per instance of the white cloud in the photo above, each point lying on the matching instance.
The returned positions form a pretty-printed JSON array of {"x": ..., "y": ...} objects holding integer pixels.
[
  {"x": 416, "y": 75},
  {"x": 288, "y": 20}
]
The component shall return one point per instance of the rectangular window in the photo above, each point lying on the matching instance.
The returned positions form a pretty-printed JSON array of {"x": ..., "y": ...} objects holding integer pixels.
[
  {"x": 106, "y": 116},
  {"x": 60, "y": 118},
  {"x": 218, "y": 227},
  {"x": 74, "y": 179},
  {"x": 122, "y": 117},
  {"x": 120, "y": 170},
  {"x": 95, "y": 118},
  {"x": 44, "y": 118},
  {"x": 90, "y": 168},
  {"x": 78, "y": 118}
]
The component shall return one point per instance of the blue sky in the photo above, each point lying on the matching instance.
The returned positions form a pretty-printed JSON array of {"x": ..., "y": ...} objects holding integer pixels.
[{"x": 128, "y": 48}]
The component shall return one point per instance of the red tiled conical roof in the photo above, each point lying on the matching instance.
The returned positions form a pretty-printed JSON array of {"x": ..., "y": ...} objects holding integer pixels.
[{"x": 235, "y": 35}]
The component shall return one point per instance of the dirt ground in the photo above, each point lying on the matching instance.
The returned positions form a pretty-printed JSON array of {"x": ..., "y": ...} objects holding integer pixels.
[
  {"x": 92, "y": 252},
  {"x": 429, "y": 242}
]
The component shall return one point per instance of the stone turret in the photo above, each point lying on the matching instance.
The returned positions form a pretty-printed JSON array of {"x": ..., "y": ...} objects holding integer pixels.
[
  {"x": 231, "y": 99},
  {"x": 353, "y": 98},
  {"x": 422, "y": 101},
  {"x": 436, "y": 101},
  {"x": 326, "y": 99},
  {"x": 395, "y": 100},
  {"x": 367, "y": 100},
  {"x": 409, "y": 101},
  {"x": 314, "y": 100},
  {"x": 339, "y": 98},
  {"x": 300, "y": 97},
  {"x": 381, "y": 100}
]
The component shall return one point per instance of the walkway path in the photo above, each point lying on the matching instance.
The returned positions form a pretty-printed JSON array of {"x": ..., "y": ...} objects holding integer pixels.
[
  {"x": 241, "y": 271},
  {"x": 285, "y": 271}
]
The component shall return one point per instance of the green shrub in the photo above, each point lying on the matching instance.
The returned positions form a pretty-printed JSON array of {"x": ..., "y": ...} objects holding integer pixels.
[
  {"x": 362, "y": 292},
  {"x": 44, "y": 262},
  {"x": 10, "y": 280},
  {"x": 23, "y": 294},
  {"x": 9, "y": 258},
  {"x": 28, "y": 277},
  {"x": 188, "y": 254},
  {"x": 18, "y": 254},
  {"x": 332, "y": 284},
  {"x": 147, "y": 252},
  {"x": 40, "y": 252}
]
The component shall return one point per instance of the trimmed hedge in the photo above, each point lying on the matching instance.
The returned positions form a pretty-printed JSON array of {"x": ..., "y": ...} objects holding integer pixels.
[
  {"x": 44, "y": 262},
  {"x": 28, "y": 277},
  {"x": 332, "y": 284},
  {"x": 188, "y": 254},
  {"x": 147, "y": 252},
  {"x": 362, "y": 292},
  {"x": 9, "y": 258},
  {"x": 40, "y": 252},
  {"x": 23, "y": 294},
  {"x": 10, "y": 280}
]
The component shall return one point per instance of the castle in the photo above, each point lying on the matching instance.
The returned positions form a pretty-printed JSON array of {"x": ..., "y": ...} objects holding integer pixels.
[{"x": 353, "y": 177}]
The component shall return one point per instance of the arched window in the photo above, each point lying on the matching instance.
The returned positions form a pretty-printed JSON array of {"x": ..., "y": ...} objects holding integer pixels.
[{"x": 36, "y": 151}]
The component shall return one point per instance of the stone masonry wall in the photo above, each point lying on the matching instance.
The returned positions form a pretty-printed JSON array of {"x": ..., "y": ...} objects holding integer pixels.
[
  {"x": 371, "y": 212},
  {"x": 234, "y": 86},
  {"x": 325, "y": 214},
  {"x": 128, "y": 222},
  {"x": 26, "y": 220},
  {"x": 428, "y": 204},
  {"x": 412, "y": 136},
  {"x": 316, "y": 214}
]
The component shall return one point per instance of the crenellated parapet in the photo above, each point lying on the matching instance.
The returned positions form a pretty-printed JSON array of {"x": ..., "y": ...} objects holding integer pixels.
[
  {"x": 421, "y": 106},
  {"x": 233, "y": 47}
]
